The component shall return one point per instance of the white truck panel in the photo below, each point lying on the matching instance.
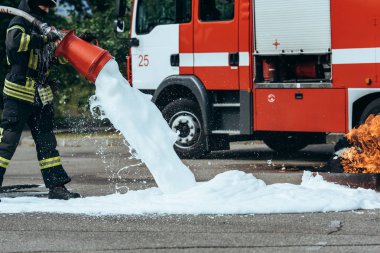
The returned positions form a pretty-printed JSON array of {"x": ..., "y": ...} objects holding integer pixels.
[
  {"x": 151, "y": 59},
  {"x": 298, "y": 26}
]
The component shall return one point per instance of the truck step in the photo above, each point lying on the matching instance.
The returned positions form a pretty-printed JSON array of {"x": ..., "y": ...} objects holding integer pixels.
[
  {"x": 226, "y": 105},
  {"x": 230, "y": 132}
]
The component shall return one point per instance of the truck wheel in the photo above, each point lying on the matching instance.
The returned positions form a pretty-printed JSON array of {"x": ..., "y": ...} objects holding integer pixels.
[
  {"x": 372, "y": 108},
  {"x": 285, "y": 142},
  {"x": 185, "y": 118}
]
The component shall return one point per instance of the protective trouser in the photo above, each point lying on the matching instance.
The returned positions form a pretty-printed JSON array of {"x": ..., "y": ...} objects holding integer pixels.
[{"x": 40, "y": 120}]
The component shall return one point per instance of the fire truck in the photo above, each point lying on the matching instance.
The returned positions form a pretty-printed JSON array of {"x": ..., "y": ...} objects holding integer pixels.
[{"x": 285, "y": 72}]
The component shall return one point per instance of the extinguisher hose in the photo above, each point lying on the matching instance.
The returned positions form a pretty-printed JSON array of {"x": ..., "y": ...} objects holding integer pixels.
[{"x": 43, "y": 27}]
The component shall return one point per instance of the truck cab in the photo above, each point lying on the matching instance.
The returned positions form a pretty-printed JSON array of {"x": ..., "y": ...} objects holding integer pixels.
[{"x": 287, "y": 72}]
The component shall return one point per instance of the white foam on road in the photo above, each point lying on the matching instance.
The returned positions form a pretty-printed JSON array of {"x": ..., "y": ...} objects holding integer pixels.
[
  {"x": 141, "y": 123},
  {"x": 232, "y": 192}
]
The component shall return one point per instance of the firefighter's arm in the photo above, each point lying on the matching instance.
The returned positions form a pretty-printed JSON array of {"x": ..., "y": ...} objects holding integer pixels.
[{"x": 17, "y": 39}]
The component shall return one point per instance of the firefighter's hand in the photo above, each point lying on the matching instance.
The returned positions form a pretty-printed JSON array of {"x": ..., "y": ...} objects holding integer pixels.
[
  {"x": 89, "y": 37},
  {"x": 51, "y": 37}
]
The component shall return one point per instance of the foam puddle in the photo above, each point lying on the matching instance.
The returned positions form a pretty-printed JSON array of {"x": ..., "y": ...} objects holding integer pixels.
[{"x": 232, "y": 192}]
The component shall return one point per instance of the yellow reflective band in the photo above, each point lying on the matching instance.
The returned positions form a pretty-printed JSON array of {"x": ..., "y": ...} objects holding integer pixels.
[
  {"x": 18, "y": 95},
  {"x": 20, "y": 92},
  {"x": 50, "y": 165},
  {"x": 30, "y": 83},
  {"x": 35, "y": 63},
  {"x": 9, "y": 63},
  {"x": 16, "y": 27},
  {"x": 1, "y": 158},
  {"x": 46, "y": 94},
  {"x": 4, "y": 162},
  {"x": 20, "y": 88},
  {"x": 24, "y": 43},
  {"x": 21, "y": 42},
  {"x": 51, "y": 162},
  {"x": 27, "y": 43},
  {"x": 1, "y": 138},
  {"x": 53, "y": 159},
  {"x": 31, "y": 59}
]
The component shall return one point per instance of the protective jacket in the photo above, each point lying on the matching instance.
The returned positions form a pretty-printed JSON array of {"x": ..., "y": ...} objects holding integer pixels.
[
  {"x": 30, "y": 58},
  {"x": 24, "y": 89}
]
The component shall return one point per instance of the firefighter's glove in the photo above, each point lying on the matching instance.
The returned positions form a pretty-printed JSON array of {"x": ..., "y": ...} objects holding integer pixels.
[
  {"x": 52, "y": 36},
  {"x": 89, "y": 37}
]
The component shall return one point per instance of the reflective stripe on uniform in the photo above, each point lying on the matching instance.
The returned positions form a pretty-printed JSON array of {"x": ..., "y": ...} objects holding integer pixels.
[
  {"x": 18, "y": 95},
  {"x": 51, "y": 162},
  {"x": 4, "y": 162},
  {"x": 16, "y": 27},
  {"x": 20, "y": 88},
  {"x": 33, "y": 60},
  {"x": 19, "y": 91},
  {"x": 46, "y": 94},
  {"x": 30, "y": 83},
  {"x": 1, "y": 134},
  {"x": 24, "y": 43}
]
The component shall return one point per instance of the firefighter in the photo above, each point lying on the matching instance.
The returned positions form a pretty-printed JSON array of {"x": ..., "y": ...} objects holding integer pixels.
[{"x": 28, "y": 97}]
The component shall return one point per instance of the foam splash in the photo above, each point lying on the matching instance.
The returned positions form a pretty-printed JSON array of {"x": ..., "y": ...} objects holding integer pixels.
[{"x": 141, "y": 123}]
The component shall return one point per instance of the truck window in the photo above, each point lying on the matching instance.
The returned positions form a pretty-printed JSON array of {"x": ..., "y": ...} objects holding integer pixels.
[
  {"x": 151, "y": 13},
  {"x": 216, "y": 10}
]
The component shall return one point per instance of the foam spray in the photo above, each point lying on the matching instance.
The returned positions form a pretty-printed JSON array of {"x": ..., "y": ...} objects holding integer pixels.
[{"x": 141, "y": 123}]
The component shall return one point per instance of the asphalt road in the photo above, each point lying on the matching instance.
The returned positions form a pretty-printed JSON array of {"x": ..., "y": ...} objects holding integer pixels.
[{"x": 95, "y": 169}]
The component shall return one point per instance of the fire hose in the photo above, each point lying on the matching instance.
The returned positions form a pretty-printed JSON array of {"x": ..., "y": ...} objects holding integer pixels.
[{"x": 43, "y": 27}]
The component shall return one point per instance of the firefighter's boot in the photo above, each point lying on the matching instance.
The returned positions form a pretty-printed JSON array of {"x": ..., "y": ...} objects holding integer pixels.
[{"x": 60, "y": 192}]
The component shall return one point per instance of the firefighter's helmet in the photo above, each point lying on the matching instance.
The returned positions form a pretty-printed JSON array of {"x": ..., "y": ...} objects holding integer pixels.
[
  {"x": 47, "y": 3},
  {"x": 34, "y": 6}
]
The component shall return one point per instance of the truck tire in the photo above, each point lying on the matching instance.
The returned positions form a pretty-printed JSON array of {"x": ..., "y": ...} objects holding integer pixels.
[
  {"x": 285, "y": 142},
  {"x": 372, "y": 108},
  {"x": 184, "y": 116}
]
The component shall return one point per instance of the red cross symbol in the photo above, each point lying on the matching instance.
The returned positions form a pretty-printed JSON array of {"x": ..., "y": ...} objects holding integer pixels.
[{"x": 276, "y": 44}]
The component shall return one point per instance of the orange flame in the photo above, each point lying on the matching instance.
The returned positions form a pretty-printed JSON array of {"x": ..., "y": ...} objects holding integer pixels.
[{"x": 364, "y": 156}]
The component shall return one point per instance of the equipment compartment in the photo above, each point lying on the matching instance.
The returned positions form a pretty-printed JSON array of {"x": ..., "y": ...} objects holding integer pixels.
[
  {"x": 303, "y": 110},
  {"x": 292, "y": 27}
]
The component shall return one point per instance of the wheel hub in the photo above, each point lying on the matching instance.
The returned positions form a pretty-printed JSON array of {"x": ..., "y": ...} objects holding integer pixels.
[{"x": 187, "y": 126}]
